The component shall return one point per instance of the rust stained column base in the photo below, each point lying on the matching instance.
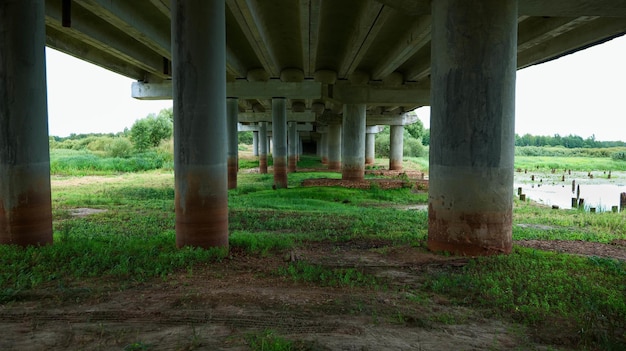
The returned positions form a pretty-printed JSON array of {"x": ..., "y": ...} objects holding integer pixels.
[
  {"x": 395, "y": 165},
  {"x": 201, "y": 221},
  {"x": 292, "y": 163},
  {"x": 369, "y": 161},
  {"x": 353, "y": 173},
  {"x": 280, "y": 172},
  {"x": 471, "y": 234},
  {"x": 334, "y": 165},
  {"x": 233, "y": 167},
  {"x": 29, "y": 223},
  {"x": 324, "y": 160},
  {"x": 263, "y": 164}
]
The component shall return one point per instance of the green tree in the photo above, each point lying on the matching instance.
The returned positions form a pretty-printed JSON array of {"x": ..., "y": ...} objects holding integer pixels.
[
  {"x": 150, "y": 131},
  {"x": 416, "y": 130}
]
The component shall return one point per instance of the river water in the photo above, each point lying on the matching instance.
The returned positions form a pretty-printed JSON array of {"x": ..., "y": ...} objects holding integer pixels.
[{"x": 598, "y": 190}]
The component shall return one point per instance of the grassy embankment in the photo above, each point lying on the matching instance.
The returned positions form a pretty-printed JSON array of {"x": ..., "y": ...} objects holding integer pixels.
[{"x": 133, "y": 241}]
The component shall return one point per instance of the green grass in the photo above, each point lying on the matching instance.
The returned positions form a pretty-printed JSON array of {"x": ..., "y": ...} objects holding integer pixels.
[
  {"x": 133, "y": 241},
  {"x": 572, "y": 163},
  {"x": 584, "y": 296}
]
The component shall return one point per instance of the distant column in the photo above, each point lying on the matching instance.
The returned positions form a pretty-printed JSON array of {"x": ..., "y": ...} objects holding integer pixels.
[
  {"x": 370, "y": 148},
  {"x": 353, "y": 142},
  {"x": 293, "y": 146},
  {"x": 200, "y": 140},
  {"x": 263, "y": 146},
  {"x": 25, "y": 201},
  {"x": 232, "y": 109},
  {"x": 474, "y": 57},
  {"x": 279, "y": 137},
  {"x": 396, "y": 146},
  {"x": 323, "y": 145},
  {"x": 255, "y": 143},
  {"x": 334, "y": 147}
]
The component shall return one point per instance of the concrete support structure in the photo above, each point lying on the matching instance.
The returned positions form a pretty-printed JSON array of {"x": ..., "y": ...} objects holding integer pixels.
[
  {"x": 279, "y": 137},
  {"x": 232, "y": 109},
  {"x": 334, "y": 147},
  {"x": 353, "y": 142},
  {"x": 396, "y": 147},
  {"x": 25, "y": 201},
  {"x": 263, "y": 147},
  {"x": 472, "y": 126},
  {"x": 370, "y": 148},
  {"x": 255, "y": 143},
  {"x": 323, "y": 147},
  {"x": 199, "y": 123},
  {"x": 294, "y": 146}
]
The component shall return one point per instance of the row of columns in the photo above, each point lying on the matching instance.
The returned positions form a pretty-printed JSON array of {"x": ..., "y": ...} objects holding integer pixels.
[{"x": 472, "y": 126}]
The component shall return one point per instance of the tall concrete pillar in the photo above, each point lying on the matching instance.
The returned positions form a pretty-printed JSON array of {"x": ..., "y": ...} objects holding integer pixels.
[
  {"x": 263, "y": 146},
  {"x": 255, "y": 143},
  {"x": 279, "y": 137},
  {"x": 370, "y": 147},
  {"x": 353, "y": 142},
  {"x": 199, "y": 125},
  {"x": 334, "y": 147},
  {"x": 323, "y": 147},
  {"x": 293, "y": 146},
  {"x": 396, "y": 146},
  {"x": 232, "y": 110},
  {"x": 25, "y": 202},
  {"x": 472, "y": 126}
]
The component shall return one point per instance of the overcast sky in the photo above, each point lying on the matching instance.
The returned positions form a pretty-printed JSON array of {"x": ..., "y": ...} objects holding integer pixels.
[{"x": 582, "y": 94}]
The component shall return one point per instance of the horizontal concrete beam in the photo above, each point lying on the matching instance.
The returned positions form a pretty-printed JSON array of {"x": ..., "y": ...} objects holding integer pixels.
[
  {"x": 373, "y": 119},
  {"x": 240, "y": 89},
  {"x": 307, "y": 127},
  {"x": 253, "y": 117},
  {"x": 405, "y": 95}
]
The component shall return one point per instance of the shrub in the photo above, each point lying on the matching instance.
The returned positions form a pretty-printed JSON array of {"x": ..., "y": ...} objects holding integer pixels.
[
  {"x": 119, "y": 147},
  {"x": 619, "y": 156}
]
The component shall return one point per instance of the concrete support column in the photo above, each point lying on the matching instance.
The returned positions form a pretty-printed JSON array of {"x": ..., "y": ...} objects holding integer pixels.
[
  {"x": 472, "y": 126},
  {"x": 293, "y": 146},
  {"x": 334, "y": 147},
  {"x": 199, "y": 125},
  {"x": 25, "y": 201},
  {"x": 370, "y": 148},
  {"x": 353, "y": 142},
  {"x": 263, "y": 146},
  {"x": 255, "y": 143},
  {"x": 279, "y": 137},
  {"x": 396, "y": 147},
  {"x": 323, "y": 147},
  {"x": 232, "y": 109}
]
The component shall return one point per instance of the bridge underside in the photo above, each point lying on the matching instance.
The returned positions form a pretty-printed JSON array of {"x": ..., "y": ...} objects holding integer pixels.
[{"x": 346, "y": 65}]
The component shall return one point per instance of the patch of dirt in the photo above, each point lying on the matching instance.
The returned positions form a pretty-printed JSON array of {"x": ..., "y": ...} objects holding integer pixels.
[
  {"x": 382, "y": 183},
  {"x": 83, "y": 211},
  {"x": 617, "y": 248},
  {"x": 216, "y": 307}
]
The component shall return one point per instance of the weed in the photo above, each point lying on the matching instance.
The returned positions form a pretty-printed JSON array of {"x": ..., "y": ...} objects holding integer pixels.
[
  {"x": 268, "y": 341},
  {"x": 323, "y": 276}
]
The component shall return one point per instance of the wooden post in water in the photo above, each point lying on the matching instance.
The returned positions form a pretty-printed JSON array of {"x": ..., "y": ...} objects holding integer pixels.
[
  {"x": 574, "y": 202},
  {"x": 522, "y": 197},
  {"x": 581, "y": 203},
  {"x": 573, "y": 185},
  {"x": 592, "y": 209},
  {"x": 519, "y": 191},
  {"x": 622, "y": 202}
]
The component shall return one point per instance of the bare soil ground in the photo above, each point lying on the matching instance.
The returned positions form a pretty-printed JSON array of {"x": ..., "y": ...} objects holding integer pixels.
[{"x": 218, "y": 306}]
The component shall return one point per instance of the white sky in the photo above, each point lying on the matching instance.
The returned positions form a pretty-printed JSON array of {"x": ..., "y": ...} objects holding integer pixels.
[{"x": 581, "y": 94}]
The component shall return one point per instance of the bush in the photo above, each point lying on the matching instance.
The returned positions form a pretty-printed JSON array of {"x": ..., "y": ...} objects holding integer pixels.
[
  {"x": 245, "y": 138},
  {"x": 414, "y": 148},
  {"x": 619, "y": 156},
  {"x": 119, "y": 147},
  {"x": 150, "y": 131}
]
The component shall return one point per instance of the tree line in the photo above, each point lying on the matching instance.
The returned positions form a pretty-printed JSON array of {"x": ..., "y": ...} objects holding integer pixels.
[{"x": 570, "y": 141}]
